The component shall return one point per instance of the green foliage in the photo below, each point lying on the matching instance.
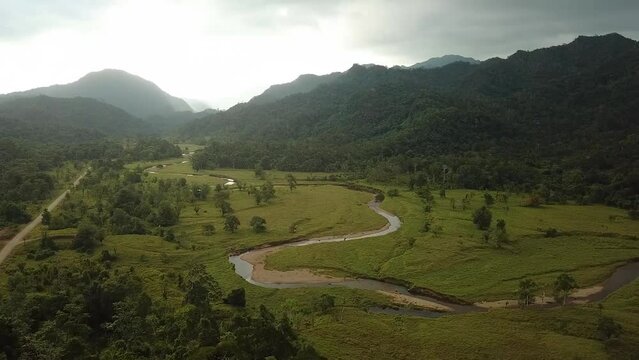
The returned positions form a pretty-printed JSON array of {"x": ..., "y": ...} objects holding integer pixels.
[
  {"x": 392, "y": 192},
  {"x": 200, "y": 288},
  {"x": 489, "y": 200},
  {"x": 324, "y": 303},
  {"x": 512, "y": 122},
  {"x": 563, "y": 286},
  {"x": 236, "y": 297},
  {"x": 107, "y": 314},
  {"x": 165, "y": 215},
  {"x": 231, "y": 223},
  {"x": 527, "y": 290},
  {"x": 11, "y": 212},
  {"x": 152, "y": 149},
  {"x": 87, "y": 238},
  {"x": 608, "y": 328},
  {"x": 482, "y": 218},
  {"x": 46, "y": 217},
  {"x": 258, "y": 224},
  {"x": 379, "y": 197},
  {"x": 226, "y": 209},
  {"x": 208, "y": 229},
  {"x": 267, "y": 191}
]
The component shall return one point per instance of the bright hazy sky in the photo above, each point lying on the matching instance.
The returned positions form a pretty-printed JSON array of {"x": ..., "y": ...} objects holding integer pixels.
[{"x": 227, "y": 51}]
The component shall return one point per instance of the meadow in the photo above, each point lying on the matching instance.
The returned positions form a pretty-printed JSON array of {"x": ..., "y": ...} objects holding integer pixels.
[
  {"x": 453, "y": 257},
  {"x": 453, "y": 260}
]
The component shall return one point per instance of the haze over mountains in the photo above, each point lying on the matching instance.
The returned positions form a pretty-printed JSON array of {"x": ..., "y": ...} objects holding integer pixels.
[
  {"x": 307, "y": 82},
  {"x": 131, "y": 93}
]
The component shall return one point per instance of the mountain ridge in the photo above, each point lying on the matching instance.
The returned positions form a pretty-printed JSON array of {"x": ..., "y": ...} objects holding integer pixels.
[{"x": 131, "y": 93}]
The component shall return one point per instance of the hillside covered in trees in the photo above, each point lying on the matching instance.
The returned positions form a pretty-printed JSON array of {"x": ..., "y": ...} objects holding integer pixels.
[
  {"x": 559, "y": 121},
  {"x": 49, "y": 119}
]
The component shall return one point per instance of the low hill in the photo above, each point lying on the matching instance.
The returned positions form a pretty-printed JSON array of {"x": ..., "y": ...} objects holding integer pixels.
[
  {"x": 131, "y": 93},
  {"x": 35, "y": 117}
]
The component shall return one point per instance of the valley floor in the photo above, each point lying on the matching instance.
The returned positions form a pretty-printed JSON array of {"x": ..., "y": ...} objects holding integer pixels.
[{"x": 453, "y": 259}]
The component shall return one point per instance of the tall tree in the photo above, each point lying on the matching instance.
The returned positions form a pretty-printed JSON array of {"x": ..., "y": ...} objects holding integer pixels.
[{"x": 563, "y": 286}]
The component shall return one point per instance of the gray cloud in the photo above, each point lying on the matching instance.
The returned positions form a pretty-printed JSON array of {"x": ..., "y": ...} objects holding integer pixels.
[
  {"x": 419, "y": 29},
  {"x": 22, "y": 18},
  {"x": 218, "y": 44}
]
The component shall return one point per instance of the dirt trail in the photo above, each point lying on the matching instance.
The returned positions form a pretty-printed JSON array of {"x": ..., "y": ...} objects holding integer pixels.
[{"x": 16, "y": 240}]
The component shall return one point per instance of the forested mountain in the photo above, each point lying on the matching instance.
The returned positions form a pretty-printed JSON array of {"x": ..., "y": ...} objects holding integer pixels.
[
  {"x": 436, "y": 62},
  {"x": 48, "y": 119},
  {"x": 562, "y": 120},
  {"x": 303, "y": 84},
  {"x": 131, "y": 93}
]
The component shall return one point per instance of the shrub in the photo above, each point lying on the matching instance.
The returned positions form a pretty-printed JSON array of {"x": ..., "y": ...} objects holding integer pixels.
[
  {"x": 393, "y": 192},
  {"x": 208, "y": 229},
  {"x": 532, "y": 201},
  {"x": 482, "y": 218},
  {"x": 608, "y": 328},
  {"x": 258, "y": 224},
  {"x": 236, "y": 297},
  {"x": 551, "y": 233}
]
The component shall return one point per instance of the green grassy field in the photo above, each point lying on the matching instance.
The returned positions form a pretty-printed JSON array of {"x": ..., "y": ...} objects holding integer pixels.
[{"x": 456, "y": 261}]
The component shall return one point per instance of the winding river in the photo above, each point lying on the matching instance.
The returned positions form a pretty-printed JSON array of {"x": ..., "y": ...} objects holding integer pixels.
[{"x": 250, "y": 265}]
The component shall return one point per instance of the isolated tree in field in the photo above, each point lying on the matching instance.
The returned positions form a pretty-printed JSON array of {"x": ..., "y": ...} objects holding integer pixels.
[
  {"x": 527, "y": 289},
  {"x": 563, "y": 286},
  {"x": 225, "y": 208},
  {"x": 442, "y": 193},
  {"x": 258, "y": 224},
  {"x": 257, "y": 194},
  {"x": 259, "y": 171},
  {"x": 379, "y": 197},
  {"x": 267, "y": 191},
  {"x": 231, "y": 223},
  {"x": 489, "y": 199},
  {"x": 482, "y": 218},
  {"x": 392, "y": 192},
  {"x": 500, "y": 235},
  {"x": 46, "y": 217},
  {"x": 292, "y": 182}
]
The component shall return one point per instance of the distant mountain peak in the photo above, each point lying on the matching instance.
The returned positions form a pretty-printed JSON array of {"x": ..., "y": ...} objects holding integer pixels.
[
  {"x": 440, "y": 61},
  {"x": 129, "y": 92}
]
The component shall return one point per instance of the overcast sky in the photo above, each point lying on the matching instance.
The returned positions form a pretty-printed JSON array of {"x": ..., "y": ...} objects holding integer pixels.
[{"x": 226, "y": 51}]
